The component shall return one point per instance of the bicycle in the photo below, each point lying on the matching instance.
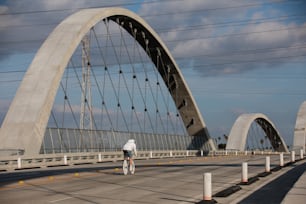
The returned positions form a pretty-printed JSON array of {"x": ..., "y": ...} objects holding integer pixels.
[{"x": 127, "y": 167}]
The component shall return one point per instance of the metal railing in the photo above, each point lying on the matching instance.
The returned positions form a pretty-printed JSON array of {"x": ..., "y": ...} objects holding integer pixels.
[
  {"x": 62, "y": 140},
  {"x": 16, "y": 162}
]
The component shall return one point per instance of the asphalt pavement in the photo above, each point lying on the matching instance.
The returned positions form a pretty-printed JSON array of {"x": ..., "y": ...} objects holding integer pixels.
[
  {"x": 163, "y": 181},
  {"x": 275, "y": 191}
]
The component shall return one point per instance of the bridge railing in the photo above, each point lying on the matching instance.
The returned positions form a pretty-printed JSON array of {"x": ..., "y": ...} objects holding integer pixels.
[{"x": 13, "y": 163}]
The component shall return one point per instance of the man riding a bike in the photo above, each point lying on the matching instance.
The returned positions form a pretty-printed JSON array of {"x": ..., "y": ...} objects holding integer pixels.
[{"x": 129, "y": 150}]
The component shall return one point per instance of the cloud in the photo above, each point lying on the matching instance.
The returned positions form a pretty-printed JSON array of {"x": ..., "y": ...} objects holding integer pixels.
[
  {"x": 21, "y": 33},
  {"x": 191, "y": 29},
  {"x": 26, "y": 25},
  {"x": 218, "y": 48}
]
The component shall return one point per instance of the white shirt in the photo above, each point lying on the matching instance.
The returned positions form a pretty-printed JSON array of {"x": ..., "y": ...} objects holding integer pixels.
[{"x": 130, "y": 146}]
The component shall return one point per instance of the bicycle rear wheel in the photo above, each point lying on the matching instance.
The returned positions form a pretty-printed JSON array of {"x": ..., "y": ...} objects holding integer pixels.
[{"x": 125, "y": 167}]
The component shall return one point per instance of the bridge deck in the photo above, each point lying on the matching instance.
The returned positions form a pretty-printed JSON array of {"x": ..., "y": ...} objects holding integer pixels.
[{"x": 156, "y": 181}]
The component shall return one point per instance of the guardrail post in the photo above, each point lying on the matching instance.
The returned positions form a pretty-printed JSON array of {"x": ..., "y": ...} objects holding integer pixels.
[
  {"x": 65, "y": 160},
  {"x": 292, "y": 156},
  {"x": 246, "y": 153},
  {"x": 187, "y": 153},
  {"x": 225, "y": 152},
  {"x": 267, "y": 164},
  {"x": 151, "y": 154},
  {"x": 281, "y": 159},
  {"x": 244, "y": 175},
  {"x": 171, "y": 153},
  {"x": 207, "y": 187},
  {"x": 19, "y": 163},
  {"x": 236, "y": 153},
  {"x": 99, "y": 157},
  {"x": 301, "y": 154}
]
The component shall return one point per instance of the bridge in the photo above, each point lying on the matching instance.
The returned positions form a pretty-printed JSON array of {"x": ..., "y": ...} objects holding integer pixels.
[
  {"x": 122, "y": 80},
  {"x": 103, "y": 76},
  {"x": 161, "y": 179}
]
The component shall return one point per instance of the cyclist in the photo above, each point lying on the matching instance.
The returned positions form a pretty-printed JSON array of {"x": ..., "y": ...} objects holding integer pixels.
[{"x": 129, "y": 150}]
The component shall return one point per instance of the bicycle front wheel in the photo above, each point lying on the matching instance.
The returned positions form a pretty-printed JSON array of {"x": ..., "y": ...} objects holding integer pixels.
[{"x": 125, "y": 167}]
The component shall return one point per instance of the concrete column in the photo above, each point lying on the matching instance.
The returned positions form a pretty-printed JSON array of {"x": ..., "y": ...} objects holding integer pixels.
[
  {"x": 244, "y": 174},
  {"x": 267, "y": 164},
  {"x": 207, "y": 192}
]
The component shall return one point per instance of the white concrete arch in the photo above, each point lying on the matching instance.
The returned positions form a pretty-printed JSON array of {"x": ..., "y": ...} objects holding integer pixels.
[
  {"x": 239, "y": 132},
  {"x": 299, "y": 140},
  {"x": 25, "y": 123}
]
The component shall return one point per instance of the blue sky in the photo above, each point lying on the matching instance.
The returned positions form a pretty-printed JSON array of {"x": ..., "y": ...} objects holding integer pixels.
[{"x": 237, "y": 56}]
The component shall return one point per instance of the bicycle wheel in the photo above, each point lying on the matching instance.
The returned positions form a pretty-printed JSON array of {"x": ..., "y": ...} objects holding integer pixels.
[{"x": 125, "y": 167}]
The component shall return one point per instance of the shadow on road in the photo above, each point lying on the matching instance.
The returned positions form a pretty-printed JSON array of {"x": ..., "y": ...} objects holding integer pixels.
[{"x": 276, "y": 190}]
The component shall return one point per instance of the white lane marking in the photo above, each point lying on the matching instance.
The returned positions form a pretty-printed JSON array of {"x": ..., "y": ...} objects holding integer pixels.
[{"x": 54, "y": 201}]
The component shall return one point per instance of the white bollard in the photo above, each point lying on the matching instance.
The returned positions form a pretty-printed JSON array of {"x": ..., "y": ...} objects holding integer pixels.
[
  {"x": 244, "y": 175},
  {"x": 207, "y": 187},
  {"x": 246, "y": 153},
  {"x": 281, "y": 159},
  {"x": 301, "y": 154},
  {"x": 268, "y": 164},
  {"x": 293, "y": 156},
  {"x": 171, "y": 154},
  {"x": 151, "y": 154},
  {"x": 187, "y": 153},
  {"x": 99, "y": 157},
  {"x": 236, "y": 153},
  {"x": 19, "y": 163},
  {"x": 65, "y": 159},
  {"x": 202, "y": 153}
]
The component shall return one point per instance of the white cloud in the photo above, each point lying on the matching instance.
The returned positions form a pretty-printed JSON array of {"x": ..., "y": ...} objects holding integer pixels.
[{"x": 216, "y": 41}]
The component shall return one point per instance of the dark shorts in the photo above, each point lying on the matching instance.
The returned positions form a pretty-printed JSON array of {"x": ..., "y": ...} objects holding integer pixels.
[{"x": 127, "y": 154}]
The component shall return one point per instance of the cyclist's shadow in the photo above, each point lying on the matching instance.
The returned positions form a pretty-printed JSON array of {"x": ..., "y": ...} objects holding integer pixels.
[{"x": 115, "y": 172}]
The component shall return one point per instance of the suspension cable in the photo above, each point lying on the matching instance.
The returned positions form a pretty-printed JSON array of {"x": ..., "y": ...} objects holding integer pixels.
[
  {"x": 117, "y": 59},
  {"x": 102, "y": 93},
  {"x": 155, "y": 99},
  {"x": 131, "y": 95},
  {"x": 146, "y": 112}
]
